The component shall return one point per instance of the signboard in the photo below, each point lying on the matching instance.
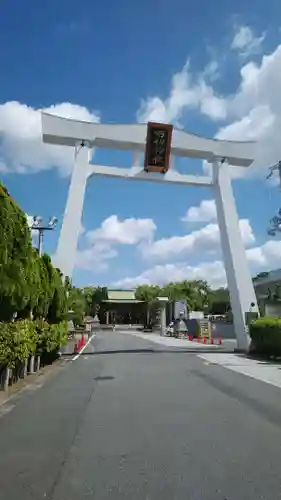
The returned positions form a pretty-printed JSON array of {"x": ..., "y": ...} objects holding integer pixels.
[
  {"x": 158, "y": 147},
  {"x": 196, "y": 315},
  {"x": 180, "y": 309}
]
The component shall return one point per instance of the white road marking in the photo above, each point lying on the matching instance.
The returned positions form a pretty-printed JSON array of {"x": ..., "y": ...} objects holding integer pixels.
[
  {"x": 6, "y": 409},
  {"x": 31, "y": 387},
  {"x": 83, "y": 348}
]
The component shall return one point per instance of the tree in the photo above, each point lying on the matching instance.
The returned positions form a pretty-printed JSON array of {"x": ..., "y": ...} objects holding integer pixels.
[
  {"x": 88, "y": 292},
  {"x": 15, "y": 254},
  {"x": 196, "y": 293},
  {"x": 77, "y": 304},
  {"x": 100, "y": 293},
  {"x": 31, "y": 291},
  {"x": 46, "y": 290},
  {"x": 219, "y": 301},
  {"x": 57, "y": 311},
  {"x": 148, "y": 293}
]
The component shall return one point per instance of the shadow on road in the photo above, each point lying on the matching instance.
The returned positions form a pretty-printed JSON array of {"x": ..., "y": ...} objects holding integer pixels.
[
  {"x": 155, "y": 351},
  {"x": 106, "y": 377}
]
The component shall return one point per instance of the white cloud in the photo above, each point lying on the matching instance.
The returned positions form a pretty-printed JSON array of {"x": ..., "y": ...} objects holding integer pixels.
[
  {"x": 186, "y": 93},
  {"x": 162, "y": 274},
  {"x": 203, "y": 240},
  {"x": 211, "y": 71},
  {"x": 245, "y": 42},
  {"x": 127, "y": 232},
  {"x": 253, "y": 112},
  {"x": 21, "y": 146},
  {"x": 102, "y": 242},
  {"x": 205, "y": 212},
  {"x": 264, "y": 257},
  {"x": 96, "y": 257}
]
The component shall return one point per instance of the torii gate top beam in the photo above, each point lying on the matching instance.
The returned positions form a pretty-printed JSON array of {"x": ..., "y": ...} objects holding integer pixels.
[{"x": 67, "y": 132}]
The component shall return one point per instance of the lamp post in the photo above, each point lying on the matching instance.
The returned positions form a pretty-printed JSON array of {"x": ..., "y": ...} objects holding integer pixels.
[{"x": 39, "y": 225}]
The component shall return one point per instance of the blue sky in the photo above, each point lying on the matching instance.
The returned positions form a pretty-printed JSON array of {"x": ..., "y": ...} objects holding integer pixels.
[{"x": 211, "y": 68}]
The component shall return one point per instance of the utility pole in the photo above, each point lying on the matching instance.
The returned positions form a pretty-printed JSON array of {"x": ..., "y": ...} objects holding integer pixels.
[{"x": 39, "y": 225}]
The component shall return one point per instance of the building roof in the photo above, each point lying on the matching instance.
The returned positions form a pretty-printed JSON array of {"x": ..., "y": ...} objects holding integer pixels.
[
  {"x": 268, "y": 278},
  {"x": 266, "y": 281},
  {"x": 122, "y": 301},
  {"x": 121, "y": 295}
]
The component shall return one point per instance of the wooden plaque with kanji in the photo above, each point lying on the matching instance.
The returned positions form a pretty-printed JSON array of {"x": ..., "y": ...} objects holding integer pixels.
[{"x": 158, "y": 147}]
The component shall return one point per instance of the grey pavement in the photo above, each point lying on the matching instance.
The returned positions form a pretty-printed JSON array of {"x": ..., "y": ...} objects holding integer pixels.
[{"x": 132, "y": 419}]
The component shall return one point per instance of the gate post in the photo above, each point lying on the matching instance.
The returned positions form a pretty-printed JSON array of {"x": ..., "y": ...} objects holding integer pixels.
[
  {"x": 239, "y": 280},
  {"x": 65, "y": 255}
]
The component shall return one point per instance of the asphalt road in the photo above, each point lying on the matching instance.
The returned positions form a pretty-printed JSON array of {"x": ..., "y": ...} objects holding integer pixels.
[{"x": 131, "y": 419}]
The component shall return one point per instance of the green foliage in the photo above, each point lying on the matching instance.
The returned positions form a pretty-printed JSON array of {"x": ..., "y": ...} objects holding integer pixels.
[
  {"x": 58, "y": 302},
  {"x": 266, "y": 336},
  {"x": 148, "y": 293},
  {"x": 50, "y": 337},
  {"x": 197, "y": 293},
  {"x": 100, "y": 293},
  {"x": 42, "y": 331},
  {"x": 17, "y": 342},
  {"x": 84, "y": 301},
  {"x": 21, "y": 338},
  {"x": 219, "y": 301},
  {"x": 15, "y": 254},
  {"x": 30, "y": 287},
  {"x": 77, "y": 304},
  {"x": 89, "y": 295}
]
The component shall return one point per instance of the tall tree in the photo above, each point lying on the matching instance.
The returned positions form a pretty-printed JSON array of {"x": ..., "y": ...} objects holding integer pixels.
[
  {"x": 15, "y": 254},
  {"x": 77, "y": 303},
  {"x": 100, "y": 293},
  {"x": 148, "y": 293},
  {"x": 220, "y": 301}
]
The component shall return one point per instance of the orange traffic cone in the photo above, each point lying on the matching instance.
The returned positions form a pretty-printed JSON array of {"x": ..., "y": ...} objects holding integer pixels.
[
  {"x": 212, "y": 340},
  {"x": 199, "y": 340},
  {"x": 205, "y": 340},
  {"x": 83, "y": 341},
  {"x": 220, "y": 341}
]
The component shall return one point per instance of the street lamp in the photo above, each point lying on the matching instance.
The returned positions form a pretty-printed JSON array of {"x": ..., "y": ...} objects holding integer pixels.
[{"x": 39, "y": 225}]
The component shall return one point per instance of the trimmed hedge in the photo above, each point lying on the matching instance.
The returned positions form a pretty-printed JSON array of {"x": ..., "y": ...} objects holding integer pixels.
[
  {"x": 20, "y": 339},
  {"x": 265, "y": 334}
]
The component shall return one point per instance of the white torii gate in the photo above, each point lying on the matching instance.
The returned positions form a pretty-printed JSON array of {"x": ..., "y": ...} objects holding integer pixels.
[{"x": 84, "y": 136}]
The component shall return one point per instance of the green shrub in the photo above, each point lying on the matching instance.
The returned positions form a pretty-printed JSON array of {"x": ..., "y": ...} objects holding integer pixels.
[
  {"x": 50, "y": 337},
  {"x": 17, "y": 342},
  {"x": 266, "y": 336},
  {"x": 55, "y": 335}
]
